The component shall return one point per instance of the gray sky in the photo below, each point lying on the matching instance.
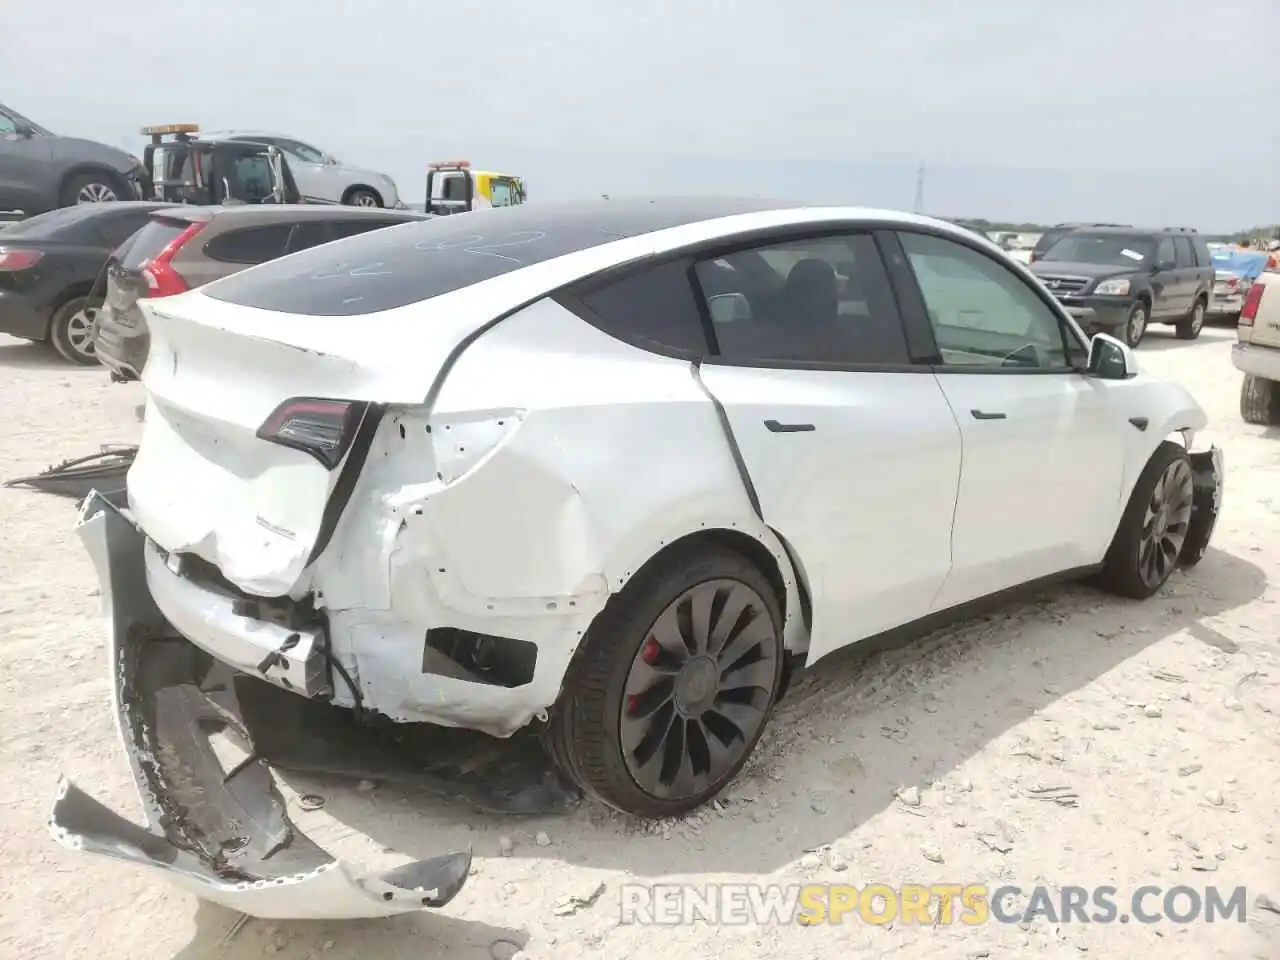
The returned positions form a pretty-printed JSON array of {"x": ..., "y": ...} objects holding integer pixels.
[{"x": 1158, "y": 111}]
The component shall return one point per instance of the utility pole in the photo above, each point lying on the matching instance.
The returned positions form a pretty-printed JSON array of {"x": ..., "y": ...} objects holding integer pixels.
[{"x": 919, "y": 205}]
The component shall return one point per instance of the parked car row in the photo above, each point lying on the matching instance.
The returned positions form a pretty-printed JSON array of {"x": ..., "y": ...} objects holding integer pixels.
[
  {"x": 73, "y": 277},
  {"x": 42, "y": 171}
]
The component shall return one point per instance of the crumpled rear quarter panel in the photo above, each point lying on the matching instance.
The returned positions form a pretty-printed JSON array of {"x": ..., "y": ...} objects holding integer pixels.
[{"x": 555, "y": 462}]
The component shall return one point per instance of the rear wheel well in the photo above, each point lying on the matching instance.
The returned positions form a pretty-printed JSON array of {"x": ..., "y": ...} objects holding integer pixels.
[{"x": 735, "y": 540}]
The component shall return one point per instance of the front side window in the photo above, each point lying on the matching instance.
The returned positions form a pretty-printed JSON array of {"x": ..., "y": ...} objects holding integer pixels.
[
  {"x": 983, "y": 314},
  {"x": 1164, "y": 252},
  {"x": 825, "y": 300}
]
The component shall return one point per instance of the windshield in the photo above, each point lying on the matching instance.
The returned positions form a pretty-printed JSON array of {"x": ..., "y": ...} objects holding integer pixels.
[{"x": 1107, "y": 249}]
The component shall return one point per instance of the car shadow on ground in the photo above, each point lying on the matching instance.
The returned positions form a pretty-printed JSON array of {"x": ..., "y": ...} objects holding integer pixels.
[
  {"x": 860, "y": 725},
  {"x": 226, "y": 935},
  {"x": 30, "y": 355}
]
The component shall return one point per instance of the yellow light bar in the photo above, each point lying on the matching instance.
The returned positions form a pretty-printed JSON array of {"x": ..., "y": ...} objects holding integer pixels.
[
  {"x": 452, "y": 165},
  {"x": 170, "y": 128}
]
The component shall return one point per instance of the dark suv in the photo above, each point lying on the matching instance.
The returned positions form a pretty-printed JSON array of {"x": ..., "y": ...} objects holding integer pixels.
[
  {"x": 184, "y": 247},
  {"x": 41, "y": 171},
  {"x": 1121, "y": 279}
]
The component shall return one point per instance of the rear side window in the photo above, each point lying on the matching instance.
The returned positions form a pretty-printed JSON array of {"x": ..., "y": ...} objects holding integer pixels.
[
  {"x": 654, "y": 307},
  {"x": 250, "y": 245},
  {"x": 308, "y": 234},
  {"x": 151, "y": 239},
  {"x": 1184, "y": 256},
  {"x": 358, "y": 225},
  {"x": 113, "y": 231}
]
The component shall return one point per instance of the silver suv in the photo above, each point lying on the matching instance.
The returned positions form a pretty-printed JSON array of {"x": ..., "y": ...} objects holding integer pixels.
[{"x": 185, "y": 247}]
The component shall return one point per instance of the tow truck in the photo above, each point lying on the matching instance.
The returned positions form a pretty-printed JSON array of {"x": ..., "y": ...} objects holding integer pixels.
[
  {"x": 186, "y": 169},
  {"x": 454, "y": 187}
]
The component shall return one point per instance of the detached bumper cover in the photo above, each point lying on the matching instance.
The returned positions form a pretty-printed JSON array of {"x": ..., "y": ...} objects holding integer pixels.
[{"x": 223, "y": 835}]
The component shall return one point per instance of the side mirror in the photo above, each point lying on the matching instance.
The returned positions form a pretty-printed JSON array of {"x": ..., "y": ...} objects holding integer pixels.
[
  {"x": 23, "y": 129},
  {"x": 1166, "y": 265},
  {"x": 728, "y": 307},
  {"x": 1110, "y": 359}
]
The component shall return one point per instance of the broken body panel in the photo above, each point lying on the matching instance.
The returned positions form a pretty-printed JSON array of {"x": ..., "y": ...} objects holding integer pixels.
[
  {"x": 431, "y": 537},
  {"x": 224, "y": 835}
]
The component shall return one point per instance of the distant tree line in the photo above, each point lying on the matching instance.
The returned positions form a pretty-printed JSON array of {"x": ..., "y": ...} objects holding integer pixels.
[{"x": 1268, "y": 232}]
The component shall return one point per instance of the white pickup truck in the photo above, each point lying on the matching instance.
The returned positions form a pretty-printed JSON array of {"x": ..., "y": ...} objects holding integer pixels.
[{"x": 1257, "y": 351}]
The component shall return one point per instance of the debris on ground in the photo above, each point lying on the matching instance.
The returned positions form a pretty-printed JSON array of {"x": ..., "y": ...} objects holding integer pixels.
[{"x": 567, "y": 906}]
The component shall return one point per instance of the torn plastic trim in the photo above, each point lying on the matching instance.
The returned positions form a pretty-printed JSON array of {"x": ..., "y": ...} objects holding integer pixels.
[
  {"x": 223, "y": 835},
  {"x": 1206, "y": 503}
]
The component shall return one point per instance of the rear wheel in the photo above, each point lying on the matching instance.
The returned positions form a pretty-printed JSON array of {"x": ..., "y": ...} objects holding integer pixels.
[
  {"x": 1153, "y": 529},
  {"x": 1135, "y": 327},
  {"x": 91, "y": 188},
  {"x": 674, "y": 685},
  {"x": 362, "y": 197},
  {"x": 71, "y": 331},
  {"x": 1189, "y": 327},
  {"x": 1259, "y": 400}
]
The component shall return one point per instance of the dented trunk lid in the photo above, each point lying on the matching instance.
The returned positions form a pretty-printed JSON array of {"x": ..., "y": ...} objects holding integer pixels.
[{"x": 205, "y": 483}]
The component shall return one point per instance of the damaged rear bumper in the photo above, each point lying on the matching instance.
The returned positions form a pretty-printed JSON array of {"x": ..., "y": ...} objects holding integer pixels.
[{"x": 223, "y": 834}]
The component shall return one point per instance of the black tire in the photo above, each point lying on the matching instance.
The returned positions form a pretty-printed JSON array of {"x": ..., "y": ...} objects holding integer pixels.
[
  {"x": 362, "y": 197},
  {"x": 68, "y": 332},
  {"x": 1259, "y": 401},
  {"x": 1135, "y": 327},
  {"x": 1121, "y": 574},
  {"x": 585, "y": 731},
  {"x": 79, "y": 188},
  {"x": 1189, "y": 327}
]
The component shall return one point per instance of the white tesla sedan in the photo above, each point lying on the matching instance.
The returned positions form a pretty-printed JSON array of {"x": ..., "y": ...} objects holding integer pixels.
[{"x": 617, "y": 468}]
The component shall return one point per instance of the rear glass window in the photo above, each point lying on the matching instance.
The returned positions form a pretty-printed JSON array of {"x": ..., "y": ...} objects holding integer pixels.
[
  {"x": 385, "y": 269},
  {"x": 150, "y": 240}
]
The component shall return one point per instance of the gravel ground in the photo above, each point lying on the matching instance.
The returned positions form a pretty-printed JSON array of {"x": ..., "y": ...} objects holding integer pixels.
[{"x": 912, "y": 765}]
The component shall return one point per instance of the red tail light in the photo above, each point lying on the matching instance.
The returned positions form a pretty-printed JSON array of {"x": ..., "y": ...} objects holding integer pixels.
[
  {"x": 12, "y": 259},
  {"x": 323, "y": 429},
  {"x": 161, "y": 279},
  {"x": 1233, "y": 281},
  {"x": 1251, "y": 301}
]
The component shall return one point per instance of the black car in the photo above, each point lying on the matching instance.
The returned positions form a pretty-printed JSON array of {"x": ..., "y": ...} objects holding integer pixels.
[
  {"x": 42, "y": 171},
  {"x": 49, "y": 265},
  {"x": 1122, "y": 279}
]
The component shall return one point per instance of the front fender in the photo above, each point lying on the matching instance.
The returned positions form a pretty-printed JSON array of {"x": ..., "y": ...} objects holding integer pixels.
[{"x": 1167, "y": 408}]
